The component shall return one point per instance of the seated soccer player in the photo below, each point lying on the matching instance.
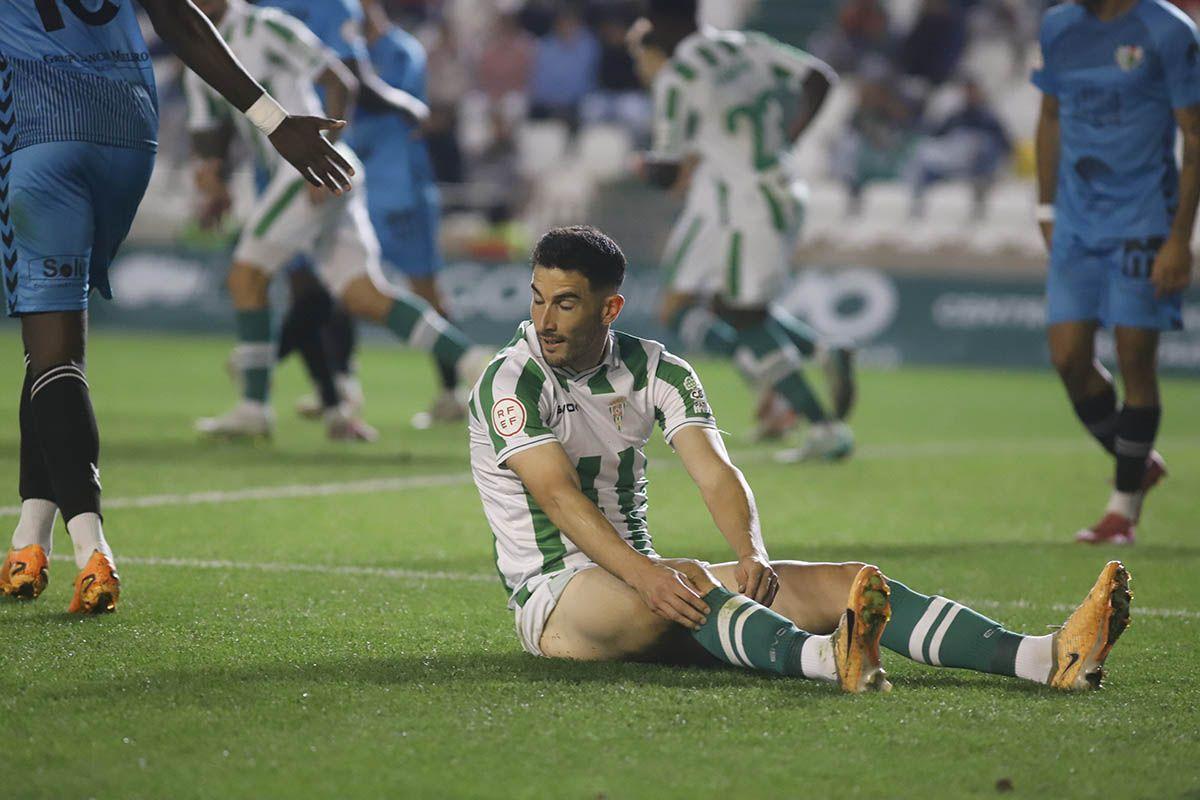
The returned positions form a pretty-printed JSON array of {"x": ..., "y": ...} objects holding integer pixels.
[{"x": 559, "y": 423}]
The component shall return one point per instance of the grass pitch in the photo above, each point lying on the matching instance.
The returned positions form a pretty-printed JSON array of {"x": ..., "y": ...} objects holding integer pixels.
[{"x": 355, "y": 643}]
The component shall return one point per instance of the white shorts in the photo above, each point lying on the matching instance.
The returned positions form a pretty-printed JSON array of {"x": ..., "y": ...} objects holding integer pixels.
[
  {"x": 336, "y": 234},
  {"x": 530, "y": 618},
  {"x": 736, "y": 240}
]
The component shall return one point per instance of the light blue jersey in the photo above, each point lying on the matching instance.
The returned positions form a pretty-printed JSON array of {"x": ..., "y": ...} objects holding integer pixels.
[
  {"x": 337, "y": 23},
  {"x": 76, "y": 70},
  {"x": 1118, "y": 83},
  {"x": 402, "y": 194}
]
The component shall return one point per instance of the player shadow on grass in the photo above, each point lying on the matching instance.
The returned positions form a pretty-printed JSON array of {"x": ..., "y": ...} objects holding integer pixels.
[{"x": 471, "y": 672}]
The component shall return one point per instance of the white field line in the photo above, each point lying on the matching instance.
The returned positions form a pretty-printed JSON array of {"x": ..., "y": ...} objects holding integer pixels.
[
  {"x": 885, "y": 452},
  {"x": 475, "y": 577}
]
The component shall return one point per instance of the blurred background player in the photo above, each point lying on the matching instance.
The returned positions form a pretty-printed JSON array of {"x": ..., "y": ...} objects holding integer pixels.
[
  {"x": 286, "y": 222},
  {"x": 77, "y": 143},
  {"x": 728, "y": 107},
  {"x": 1118, "y": 77},
  {"x": 402, "y": 196},
  {"x": 315, "y": 325}
]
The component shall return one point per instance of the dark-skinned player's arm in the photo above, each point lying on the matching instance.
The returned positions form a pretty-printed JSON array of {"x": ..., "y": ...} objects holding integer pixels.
[
  {"x": 813, "y": 89},
  {"x": 341, "y": 90},
  {"x": 552, "y": 480},
  {"x": 1172, "y": 270},
  {"x": 298, "y": 139},
  {"x": 1047, "y": 148},
  {"x": 731, "y": 504}
]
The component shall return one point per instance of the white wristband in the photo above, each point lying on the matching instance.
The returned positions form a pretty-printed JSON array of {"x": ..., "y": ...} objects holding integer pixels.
[
  {"x": 266, "y": 114},
  {"x": 1045, "y": 212}
]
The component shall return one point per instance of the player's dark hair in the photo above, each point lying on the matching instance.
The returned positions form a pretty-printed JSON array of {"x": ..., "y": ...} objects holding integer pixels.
[
  {"x": 672, "y": 21},
  {"x": 583, "y": 249}
]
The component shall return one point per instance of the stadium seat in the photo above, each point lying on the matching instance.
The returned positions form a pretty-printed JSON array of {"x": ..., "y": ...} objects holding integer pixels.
[
  {"x": 604, "y": 151},
  {"x": 541, "y": 147}
]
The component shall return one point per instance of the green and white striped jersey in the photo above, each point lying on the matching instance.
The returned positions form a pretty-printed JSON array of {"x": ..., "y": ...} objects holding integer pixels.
[
  {"x": 602, "y": 418},
  {"x": 726, "y": 96},
  {"x": 281, "y": 54}
]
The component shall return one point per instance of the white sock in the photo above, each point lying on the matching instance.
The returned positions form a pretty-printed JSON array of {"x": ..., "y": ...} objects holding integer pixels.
[
  {"x": 816, "y": 659},
  {"x": 1035, "y": 657},
  {"x": 36, "y": 525},
  {"x": 87, "y": 534},
  {"x": 1127, "y": 504}
]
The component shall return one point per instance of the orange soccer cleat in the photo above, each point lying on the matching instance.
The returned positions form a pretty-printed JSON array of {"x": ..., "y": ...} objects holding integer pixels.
[
  {"x": 97, "y": 587},
  {"x": 856, "y": 640},
  {"x": 25, "y": 573}
]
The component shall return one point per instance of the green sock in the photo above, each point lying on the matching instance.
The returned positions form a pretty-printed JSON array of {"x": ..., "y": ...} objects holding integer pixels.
[
  {"x": 254, "y": 354},
  {"x": 744, "y": 633},
  {"x": 937, "y": 631},
  {"x": 419, "y": 326},
  {"x": 766, "y": 357},
  {"x": 800, "y": 334},
  {"x": 702, "y": 331}
]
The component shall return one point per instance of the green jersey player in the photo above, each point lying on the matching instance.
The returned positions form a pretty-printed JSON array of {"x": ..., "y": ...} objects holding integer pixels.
[
  {"x": 558, "y": 429},
  {"x": 728, "y": 107}
]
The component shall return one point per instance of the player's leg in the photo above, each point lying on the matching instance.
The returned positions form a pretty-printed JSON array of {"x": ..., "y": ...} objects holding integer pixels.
[
  {"x": 310, "y": 309},
  {"x": 350, "y": 267},
  {"x": 72, "y": 205},
  {"x": 1137, "y": 424},
  {"x": 1089, "y": 385},
  {"x": 598, "y": 617},
  {"x": 408, "y": 239},
  {"x": 940, "y": 632},
  {"x": 284, "y": 223}
]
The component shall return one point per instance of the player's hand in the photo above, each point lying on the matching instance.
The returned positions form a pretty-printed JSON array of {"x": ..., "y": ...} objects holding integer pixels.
[
  {"x": 299, "y": 140},
  {"x": 669, "y": 594},
  {"x": 756, "y": 578},
  {"x": 1172, "y": 271},
  {"x": 1047, "y": 234}
]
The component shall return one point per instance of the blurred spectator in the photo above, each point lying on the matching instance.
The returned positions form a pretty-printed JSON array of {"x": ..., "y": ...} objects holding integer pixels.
[
  {"x": 503, "y": 72},
  {"x": 861, "y": 30},
  {"x": 971, "y": 144},
  {"x": 880, "y": 136},
  {"x": 620, "y": 97},
  {"x": 564, "y": 70},
  {"x": 934, "y": 46},
  {"x": 449, "y": 81}
]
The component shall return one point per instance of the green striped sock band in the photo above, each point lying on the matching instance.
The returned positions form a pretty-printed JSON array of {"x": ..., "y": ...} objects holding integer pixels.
[
  {"x": 744, "y": 633},
  {"x": 255, "y": 354},
  {"x": 940, "y": 632},
  {"x": 419, "y": 326}
]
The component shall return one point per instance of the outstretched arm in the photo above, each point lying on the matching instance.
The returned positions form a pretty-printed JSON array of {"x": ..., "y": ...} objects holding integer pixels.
[
  {"x": 379, "y": 95},
  {"x": 550, "y": 477},
  {"x": 731, "y": 504},
  {"x": 298, "y": 139},
  {"x": 816, "y": 89},
  {"x": 1047, "y": 146},
  {"x": 1173, "y": 266}
]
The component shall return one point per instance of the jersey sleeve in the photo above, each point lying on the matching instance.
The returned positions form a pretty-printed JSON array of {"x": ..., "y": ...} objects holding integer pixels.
[
  {"x": 513, "y": 403},
  {"x": 205, "y": 111},
  {"x": 339, "y": 27},
  {"x": 1180, "y": 54},
  {"x": 288, "y": 41},
  {"x": 789, "y": 64},
  {"x": 1043, "y": 72},
  {"x": 675, "y": 120},
  {"x": 679, "y": 399}
]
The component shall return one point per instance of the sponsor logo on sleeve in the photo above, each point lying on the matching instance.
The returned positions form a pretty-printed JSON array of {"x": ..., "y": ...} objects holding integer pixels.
[{"x": 508, "y": 416}]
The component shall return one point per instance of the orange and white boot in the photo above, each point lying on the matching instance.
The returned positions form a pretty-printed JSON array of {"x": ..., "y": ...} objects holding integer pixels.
[
  {"x": 25, "y": 573},
  {"x": 97, "y": 587}
]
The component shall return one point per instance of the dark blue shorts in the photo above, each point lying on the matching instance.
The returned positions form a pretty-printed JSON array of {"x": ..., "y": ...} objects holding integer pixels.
[
  {"x": 65, "y": 208},
  {"x": 1108, "y": 282}
]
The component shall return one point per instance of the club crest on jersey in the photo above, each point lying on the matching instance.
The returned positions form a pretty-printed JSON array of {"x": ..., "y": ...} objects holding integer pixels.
[
  {"x": 617, "y": 409},
  {"x": 508, "y": 416},
  {"x": 1130, "y": 57}
]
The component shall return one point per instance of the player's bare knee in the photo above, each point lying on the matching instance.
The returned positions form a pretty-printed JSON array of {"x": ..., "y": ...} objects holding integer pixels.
[
  {"x": 361, "y": 298},
  {"x": 697, "y": 572}
]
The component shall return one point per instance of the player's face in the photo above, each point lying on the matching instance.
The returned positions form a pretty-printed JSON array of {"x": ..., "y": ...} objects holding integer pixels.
[{"x": 571, "y": 319}]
